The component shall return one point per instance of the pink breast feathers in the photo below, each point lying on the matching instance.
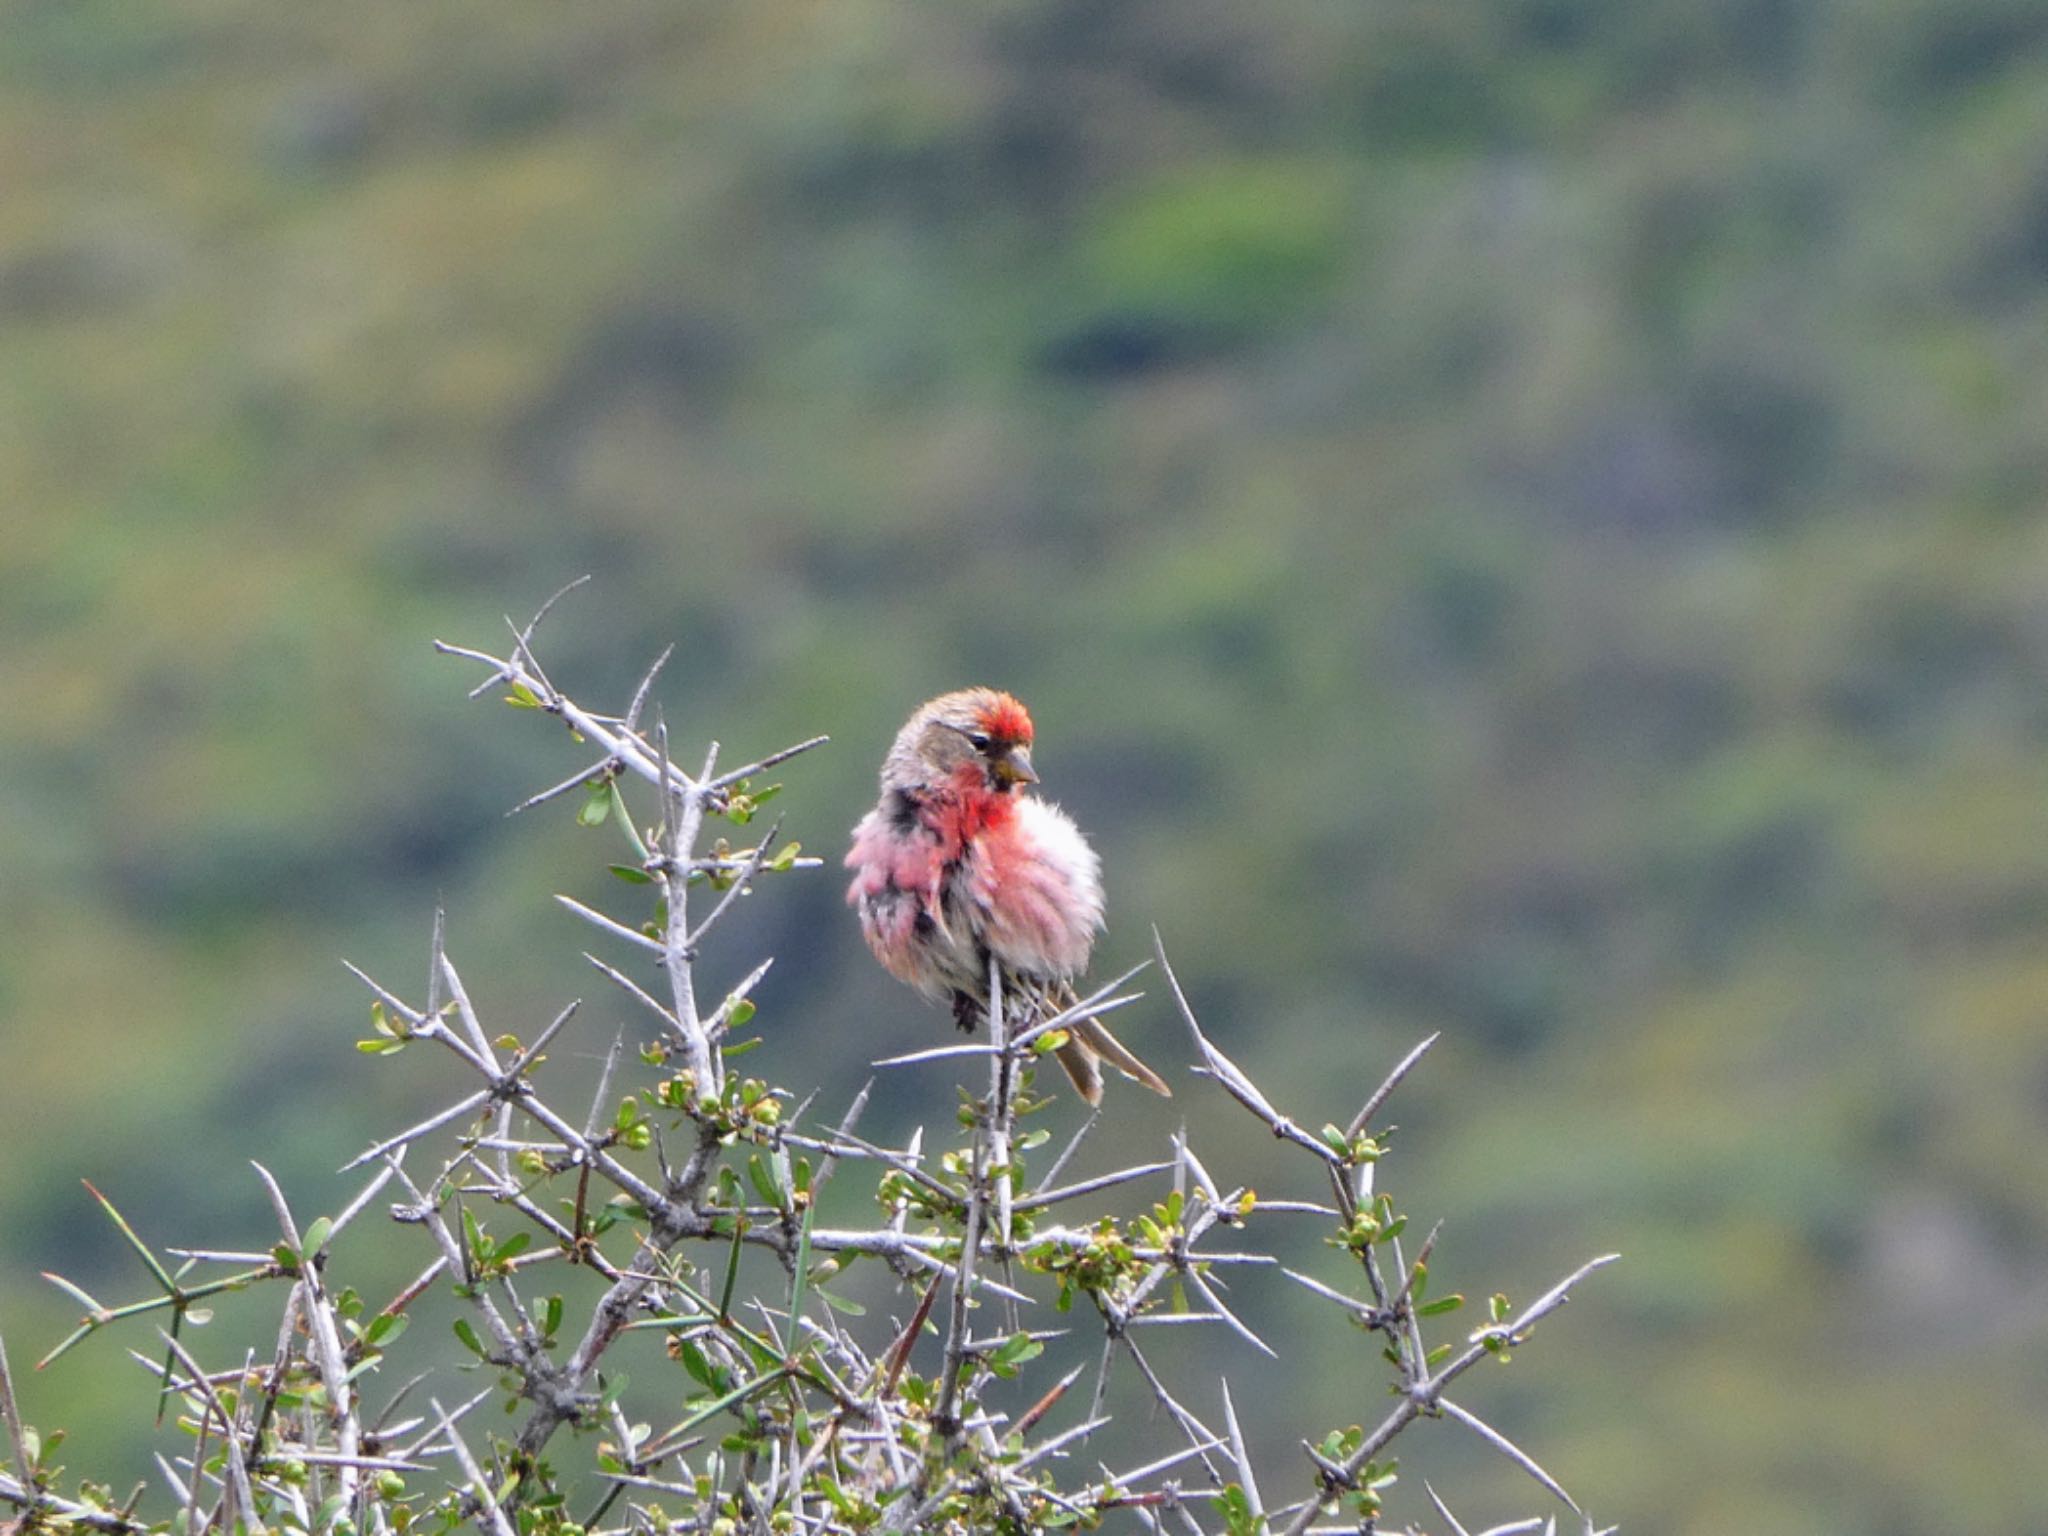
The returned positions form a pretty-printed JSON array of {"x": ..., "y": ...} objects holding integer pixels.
[
  {"x": 1038, "y": 887},
  {"x": 895, "y": 883}
]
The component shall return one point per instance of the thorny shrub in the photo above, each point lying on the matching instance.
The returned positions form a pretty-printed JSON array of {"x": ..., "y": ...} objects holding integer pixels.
[{"x": 787, "y": 1407}]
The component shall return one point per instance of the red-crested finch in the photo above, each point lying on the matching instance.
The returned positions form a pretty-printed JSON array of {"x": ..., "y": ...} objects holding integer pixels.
[{"x": 959, "y": 862}]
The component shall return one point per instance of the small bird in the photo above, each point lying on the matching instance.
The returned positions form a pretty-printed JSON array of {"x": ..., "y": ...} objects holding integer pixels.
[{"x": 958, "y": 861}]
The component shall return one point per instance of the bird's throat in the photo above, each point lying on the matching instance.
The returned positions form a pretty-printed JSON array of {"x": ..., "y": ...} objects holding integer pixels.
[{"x": 963, "y": 811}]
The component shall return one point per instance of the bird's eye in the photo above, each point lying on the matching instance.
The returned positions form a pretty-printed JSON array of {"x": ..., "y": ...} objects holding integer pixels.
[{"x": 978, "y": 740}]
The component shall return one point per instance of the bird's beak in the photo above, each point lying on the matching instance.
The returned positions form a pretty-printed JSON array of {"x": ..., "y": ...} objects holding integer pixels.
[{"x": 1014, "y": 767}]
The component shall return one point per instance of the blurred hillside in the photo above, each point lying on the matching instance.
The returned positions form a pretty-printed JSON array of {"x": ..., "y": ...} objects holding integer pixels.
[{"x": 1518, "y": 520}]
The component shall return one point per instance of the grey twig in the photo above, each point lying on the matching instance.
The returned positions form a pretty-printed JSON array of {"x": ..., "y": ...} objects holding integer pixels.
[
  {"x": 479, "y": 1485},
  {"x": 1381, "y": 1094},
  {"x": 732, "y": 777},
  {"x": 1245, "y": 1476},
  {"x": 634, "y": 990},
  {"x": 1232, "y": 1077},
  {"x": 1045, "y": 1197},
  {"x": 1507, "y": 1448},
  {"x": 460, "y": 1109},
  {"x": 616, "y": 929}
]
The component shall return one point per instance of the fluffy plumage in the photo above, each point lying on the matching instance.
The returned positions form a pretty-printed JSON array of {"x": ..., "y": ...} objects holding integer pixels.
[{"x": 958, "y": 862}]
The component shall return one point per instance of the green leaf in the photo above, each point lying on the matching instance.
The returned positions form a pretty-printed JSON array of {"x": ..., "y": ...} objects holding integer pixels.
[
  {"x": 467, "y": 1333},
  {"x": 316, "y": 1235},
  {"x": 141, "y": 1248},
  {"x": 839, "y": 1303},
  {"x": 385, "y": 1328},
  {"x": 1441, "y": 1305},
  {"x": 519, "y": 696},
  {"x": 1236, "y": 1508},
  {"x": 551, "y": 1316},
  {"x": 713, "y": 1409},
  {"x": 632, "y": 874},
  {"x": 617, "y": 800},
  {"x": 763, "y": 1181},
  {"x": 597, "y": 804},
  {"x": 840, "y": 1502},
  {"x": 379, "y": 1047},
  {"x": 1016, "y": 1349},
  {"x": 699, "y": 1365},
  {"x": 732, "y": 1268},
  {"x": 758, "y": 1351}
]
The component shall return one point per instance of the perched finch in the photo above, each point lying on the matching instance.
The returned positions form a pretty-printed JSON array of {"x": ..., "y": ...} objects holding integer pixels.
[{"x": 959, "y": 862}]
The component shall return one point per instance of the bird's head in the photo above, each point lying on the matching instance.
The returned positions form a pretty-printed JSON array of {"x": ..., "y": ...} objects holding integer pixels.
[{"x": 977, "y": 739}]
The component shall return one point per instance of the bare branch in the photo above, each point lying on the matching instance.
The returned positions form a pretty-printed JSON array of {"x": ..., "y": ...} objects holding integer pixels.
[
  {"x": 634, "y": 990},
  {"x": 727, "y": 780},
  {"x": 10, "y": 1410},
  {"x": 1208, "y": 1294},
  {"x": 632, "y": 719},
  {"x": 1507, "y": 1448},
  {"x": 617, "y": 930},
  {"x": 479, "y": 1485},
  {"x": 577, "y": 780},
  {"x": 460, "y": 1109},
  {"x": 1232, "y": 1077},
  {"x": 1449, "y": 1519},
  {"x": 741, "y": 885},
  {"x": 1381, "y": 1094},
  {"x": 1245, "y": 1476},
  {"x": 1089, "y": 1186}
]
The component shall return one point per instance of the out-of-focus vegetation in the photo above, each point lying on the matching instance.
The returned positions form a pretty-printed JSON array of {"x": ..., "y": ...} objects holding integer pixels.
[{"x": 1523, "y": 520}]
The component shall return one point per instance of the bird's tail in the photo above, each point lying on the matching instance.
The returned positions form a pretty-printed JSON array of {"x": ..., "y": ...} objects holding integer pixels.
[{"x": 1089, "y": 1044}]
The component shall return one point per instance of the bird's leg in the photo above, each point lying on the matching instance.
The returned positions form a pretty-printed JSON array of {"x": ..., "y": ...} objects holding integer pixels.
[{"x": 966, "y": 1009}]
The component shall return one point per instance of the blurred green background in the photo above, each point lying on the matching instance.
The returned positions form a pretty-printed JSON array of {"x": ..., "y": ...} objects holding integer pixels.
[{"x": 1523, "y": 520}]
